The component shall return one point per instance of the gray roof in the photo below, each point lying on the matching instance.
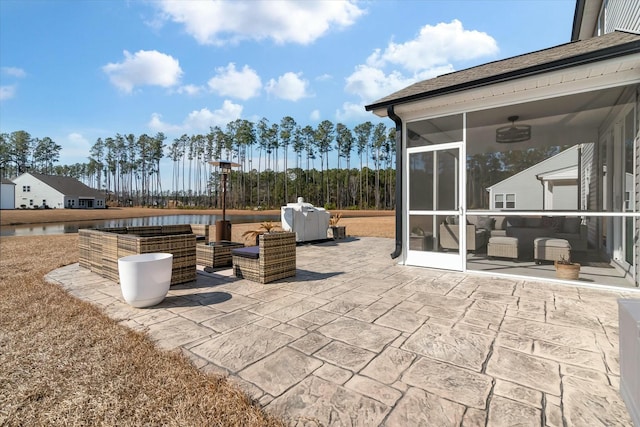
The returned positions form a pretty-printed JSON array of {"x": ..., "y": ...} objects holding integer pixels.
[
  {"x": 611, "y": 45},
  {"x": 7, "y": 181},
  {"x": 67, "y": 185}
]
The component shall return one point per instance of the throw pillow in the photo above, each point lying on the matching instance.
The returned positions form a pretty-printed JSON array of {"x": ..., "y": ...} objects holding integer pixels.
[
  {"x": 500, "y": 223},
  {"x": 571, "y": 225},
  {"x": 485, "y": 222},
  {"x": 553, "y": 222},
  {"x": 417, "y": 231}
]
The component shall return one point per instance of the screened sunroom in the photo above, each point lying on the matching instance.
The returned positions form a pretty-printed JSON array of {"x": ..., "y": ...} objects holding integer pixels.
[{"x": 512, "y": 166}]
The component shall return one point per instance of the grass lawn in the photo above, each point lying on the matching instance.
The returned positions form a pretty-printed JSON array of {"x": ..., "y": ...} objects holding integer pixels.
[{"x": 62, "y": 362}]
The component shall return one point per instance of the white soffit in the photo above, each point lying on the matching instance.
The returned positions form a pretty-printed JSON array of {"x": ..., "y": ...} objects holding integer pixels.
[
  {"x": 600, "y": 75},
  {"x": 570, "y": 173}
]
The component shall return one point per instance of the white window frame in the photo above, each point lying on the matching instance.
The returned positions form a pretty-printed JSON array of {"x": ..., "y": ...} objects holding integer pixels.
[{"x": 504, "y": 200}]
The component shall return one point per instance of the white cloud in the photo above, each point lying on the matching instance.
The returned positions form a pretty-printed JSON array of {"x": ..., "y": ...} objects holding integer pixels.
[
  {"x": 198, "y": 120},
  {"x": 145, "y": 67},
  {"x": 351, "y": 112},
  {"x": 157, "y": 125},
  {"x": 436, "y": 46},
  {"x": 371, "y": 83},
  {"x": 76, "y": 146},
  {"x": 243, "y": 84},
  {"x": 7, "y": 92},
  {"x": 431, "y": 53},
  {"x": 315, "y": 115},
  {"x": 14, "y": 72},
  {"x": 283, "y": 21},
  {"x": 190, "y": 90},
  {"x": 77, "y": 139},
  {"x": 289, "y": 86}
]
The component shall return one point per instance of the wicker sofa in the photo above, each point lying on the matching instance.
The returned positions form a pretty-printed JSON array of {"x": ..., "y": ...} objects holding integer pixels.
[
  {"x": 272, "y": 259},
  {"x": 202, "y": 231},
  {"x": 527, "y": 229},
  {"x": 101, "y": 248},
  {"x": 477, "y": 234}
]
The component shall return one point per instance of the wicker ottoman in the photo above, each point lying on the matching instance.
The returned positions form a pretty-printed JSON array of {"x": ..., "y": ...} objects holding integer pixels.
[
  {"x": 550, "y": 249},
  {"x": 503, "y": 247}
]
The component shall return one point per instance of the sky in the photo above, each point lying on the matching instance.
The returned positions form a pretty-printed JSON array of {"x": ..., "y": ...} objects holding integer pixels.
[{"x": 79, "y": 70}]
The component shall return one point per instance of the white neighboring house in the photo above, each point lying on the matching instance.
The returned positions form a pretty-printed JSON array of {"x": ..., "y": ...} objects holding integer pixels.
[
  {"x": 7, "y": 194},
  {"x": 37, "y": 190},
  {"x": 549, "y": 185}
]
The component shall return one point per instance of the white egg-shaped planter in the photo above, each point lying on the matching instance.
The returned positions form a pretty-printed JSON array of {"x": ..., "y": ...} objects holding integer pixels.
[{"x": 145, "y": 278}]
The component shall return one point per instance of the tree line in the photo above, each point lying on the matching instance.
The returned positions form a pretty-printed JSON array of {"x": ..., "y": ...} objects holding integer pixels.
[{"x": 278, "y": 162}]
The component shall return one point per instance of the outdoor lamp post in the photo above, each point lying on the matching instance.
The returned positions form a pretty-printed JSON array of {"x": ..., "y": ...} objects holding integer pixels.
[{"x": 223, "y": 228}]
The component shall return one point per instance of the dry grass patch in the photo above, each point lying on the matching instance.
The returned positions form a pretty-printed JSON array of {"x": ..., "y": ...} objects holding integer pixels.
[{"x": 62, "y": 362}]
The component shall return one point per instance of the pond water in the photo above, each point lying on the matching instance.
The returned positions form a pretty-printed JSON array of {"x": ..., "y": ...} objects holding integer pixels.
[{"x": 72, "y": 227}]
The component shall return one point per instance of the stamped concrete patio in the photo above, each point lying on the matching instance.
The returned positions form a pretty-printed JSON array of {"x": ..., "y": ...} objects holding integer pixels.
[{"x": 354, "y": 339}]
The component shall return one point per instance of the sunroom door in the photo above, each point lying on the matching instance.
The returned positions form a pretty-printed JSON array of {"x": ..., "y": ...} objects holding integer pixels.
[{"x": 434, "y": 197}]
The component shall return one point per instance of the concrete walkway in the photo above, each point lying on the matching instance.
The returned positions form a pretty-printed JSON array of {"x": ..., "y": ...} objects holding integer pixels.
[{"x": 354, "y": 339}]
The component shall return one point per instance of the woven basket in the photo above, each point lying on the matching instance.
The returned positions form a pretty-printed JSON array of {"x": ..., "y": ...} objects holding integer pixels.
[{"x": 567, "y": 271}]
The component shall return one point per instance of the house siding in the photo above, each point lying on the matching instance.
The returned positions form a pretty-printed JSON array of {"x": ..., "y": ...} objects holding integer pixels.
[
  {"x": 621, "y": 15},
  {"x": 529, "y": 190},
  {"x": 592, "y": 185},
  {"x": 37, "y": 192},
  {"x": 637, "y": 191},
  {"x": 565, "y": 197},
  {"x": 7, "y": 196},
  {"x": 55, "y": 192}
]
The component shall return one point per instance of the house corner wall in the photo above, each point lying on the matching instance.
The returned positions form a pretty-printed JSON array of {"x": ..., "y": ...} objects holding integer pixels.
[{"x": 637, "y": 193}]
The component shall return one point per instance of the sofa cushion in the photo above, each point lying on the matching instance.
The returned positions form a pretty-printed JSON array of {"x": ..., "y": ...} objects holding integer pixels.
[
  {"x": 452, "y": 220},
  {"x": 485, "y": 222},
  {"x": 500, "y": 223},
  {"x": 553, "y": 222},
  {"x": 482, "y": 222},
  {"x": 571, "y": 225},
  {"x": 252, "y": 252},
  {"x": 532, "y": 222},
  {"x": 515, "y": 221}
]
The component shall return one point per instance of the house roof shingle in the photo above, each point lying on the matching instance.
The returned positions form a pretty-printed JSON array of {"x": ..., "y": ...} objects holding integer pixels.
[
  {"x": 7, "y": 181},
  {"x": 67, "y": 185},
  {"x": 569, "y": 54}
]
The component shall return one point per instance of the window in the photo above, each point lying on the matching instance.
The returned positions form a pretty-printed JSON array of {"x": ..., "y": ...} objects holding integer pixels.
[
  {"x": 30, "y": 202},
  {"x": 499, "y": 201},
  {"x": 627, "y": 199},
  {"x": 26, "y": 188},
  {"x": 504, "y": 201}
]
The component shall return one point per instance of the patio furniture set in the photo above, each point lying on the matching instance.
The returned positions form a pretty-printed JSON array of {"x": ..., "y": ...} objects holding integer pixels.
[
  {"x": 515, "y": 237},
  {"x": 272, "y": 259}
]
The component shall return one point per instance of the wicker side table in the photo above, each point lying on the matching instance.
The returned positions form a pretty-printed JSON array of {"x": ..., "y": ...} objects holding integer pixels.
[{"x": 216, "y": 254}]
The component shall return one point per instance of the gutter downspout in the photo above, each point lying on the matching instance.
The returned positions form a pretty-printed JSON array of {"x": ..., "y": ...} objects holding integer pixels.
[{"x": 399, "y": 205}]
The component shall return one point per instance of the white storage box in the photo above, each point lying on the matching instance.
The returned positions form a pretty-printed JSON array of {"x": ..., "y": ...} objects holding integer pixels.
[{"x": 307, "y": 221}]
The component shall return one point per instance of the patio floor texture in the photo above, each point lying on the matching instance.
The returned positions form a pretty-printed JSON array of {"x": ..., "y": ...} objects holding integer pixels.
[{"x": 355, "y": 339}]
